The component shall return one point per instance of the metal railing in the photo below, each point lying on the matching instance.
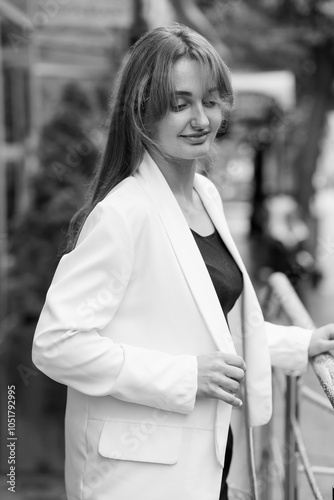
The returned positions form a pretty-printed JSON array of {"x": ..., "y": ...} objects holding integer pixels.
[{"x": 281, "y": 301}]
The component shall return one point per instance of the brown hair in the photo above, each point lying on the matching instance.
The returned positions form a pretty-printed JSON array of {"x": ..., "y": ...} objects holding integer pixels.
[{"x": 142, "y": 95}]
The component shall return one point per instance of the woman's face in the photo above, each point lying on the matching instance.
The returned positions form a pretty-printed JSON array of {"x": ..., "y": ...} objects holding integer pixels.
[{"x": 188, "y": 129}]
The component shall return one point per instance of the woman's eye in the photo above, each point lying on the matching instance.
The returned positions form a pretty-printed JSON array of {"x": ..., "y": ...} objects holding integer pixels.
[
  {"x": 209, "y": 104},
  {"x": 179, "y": 106}
]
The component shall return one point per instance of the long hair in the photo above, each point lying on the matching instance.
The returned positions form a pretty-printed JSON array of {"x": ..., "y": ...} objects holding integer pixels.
[{"x": 142, "y": 95}]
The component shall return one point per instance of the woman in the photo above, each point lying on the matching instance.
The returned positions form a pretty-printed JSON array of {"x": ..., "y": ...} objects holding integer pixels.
[{"x": 135, "y": 323}]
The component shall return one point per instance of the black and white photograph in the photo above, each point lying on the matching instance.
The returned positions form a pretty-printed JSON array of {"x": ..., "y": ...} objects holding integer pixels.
[{"x": 167, "y": 249}]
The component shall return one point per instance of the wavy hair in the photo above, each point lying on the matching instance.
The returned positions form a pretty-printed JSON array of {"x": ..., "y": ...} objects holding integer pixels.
[{"x": 142, "y": 94}]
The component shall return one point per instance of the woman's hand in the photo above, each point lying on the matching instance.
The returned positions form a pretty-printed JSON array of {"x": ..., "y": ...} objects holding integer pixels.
[
  {"x": 322, "y": 340},
  {"x": 219, "y": 376}
]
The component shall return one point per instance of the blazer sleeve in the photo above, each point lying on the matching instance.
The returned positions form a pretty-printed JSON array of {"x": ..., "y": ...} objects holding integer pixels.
[
  {"x": 84, "y": 296},
  {"x": 288, "y": 346}
]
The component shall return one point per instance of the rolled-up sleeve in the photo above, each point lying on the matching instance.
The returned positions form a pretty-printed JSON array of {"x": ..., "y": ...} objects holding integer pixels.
[{"x": 288, "y": 346}]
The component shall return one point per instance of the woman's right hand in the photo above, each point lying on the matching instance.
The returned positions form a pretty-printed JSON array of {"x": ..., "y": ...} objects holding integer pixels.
[{"x": 219, "y": 376}]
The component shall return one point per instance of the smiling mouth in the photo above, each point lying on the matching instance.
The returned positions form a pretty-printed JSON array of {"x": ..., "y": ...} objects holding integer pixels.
[{"x": 196, "y": 136}]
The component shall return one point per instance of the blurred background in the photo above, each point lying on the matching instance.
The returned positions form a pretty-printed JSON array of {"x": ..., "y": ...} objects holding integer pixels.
[{"x": 274, "y": 168}]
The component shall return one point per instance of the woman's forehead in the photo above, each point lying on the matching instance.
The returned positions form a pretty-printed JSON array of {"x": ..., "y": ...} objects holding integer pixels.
[{"x": 189, "y": 74}]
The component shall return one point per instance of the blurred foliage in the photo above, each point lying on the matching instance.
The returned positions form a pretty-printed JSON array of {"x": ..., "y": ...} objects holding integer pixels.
[
  {"x": 271, "y": 34},
  {"x": 68, "y": 150},
  {"x": 294, "y": 35}
]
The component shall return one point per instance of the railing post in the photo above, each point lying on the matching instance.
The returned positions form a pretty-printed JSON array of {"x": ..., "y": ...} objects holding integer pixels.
[
  {"x": 291, "y": 453},
  {"x": 294, "y": 311}
]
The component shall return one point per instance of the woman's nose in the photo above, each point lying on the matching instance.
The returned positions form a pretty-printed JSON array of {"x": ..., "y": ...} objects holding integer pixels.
[{"x": 200, "y": 118}]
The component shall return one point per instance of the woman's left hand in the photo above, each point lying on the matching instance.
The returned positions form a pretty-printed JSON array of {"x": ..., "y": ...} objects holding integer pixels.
[{"x": 322, "y": 340}]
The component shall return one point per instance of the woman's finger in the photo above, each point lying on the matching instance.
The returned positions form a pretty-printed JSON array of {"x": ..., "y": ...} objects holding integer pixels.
[
  {"x": 234, "y": 360},
  {"x": 234, "y": 373},
  {"x": 227, "y": 397},
  {"x": 229, "y": 385}
]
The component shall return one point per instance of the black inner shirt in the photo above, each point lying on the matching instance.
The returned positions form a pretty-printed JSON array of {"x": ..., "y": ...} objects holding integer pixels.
[
  {"x": 224, "y": 273},
  {"x": 228, "y": 282}
]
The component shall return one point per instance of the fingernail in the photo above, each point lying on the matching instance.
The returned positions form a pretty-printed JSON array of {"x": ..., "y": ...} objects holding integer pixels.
[{"x": 240, "y": 403}]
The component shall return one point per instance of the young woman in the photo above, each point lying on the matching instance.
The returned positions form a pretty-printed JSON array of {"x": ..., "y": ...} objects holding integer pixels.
[{"x": 150, "y": 316}]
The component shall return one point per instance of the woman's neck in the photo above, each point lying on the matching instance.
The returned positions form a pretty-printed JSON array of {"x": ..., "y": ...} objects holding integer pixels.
[{"x": 179, "y": 175}]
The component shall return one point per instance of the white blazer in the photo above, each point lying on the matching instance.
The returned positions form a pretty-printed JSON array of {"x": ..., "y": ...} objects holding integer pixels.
[{"x": 127, "y": 312}]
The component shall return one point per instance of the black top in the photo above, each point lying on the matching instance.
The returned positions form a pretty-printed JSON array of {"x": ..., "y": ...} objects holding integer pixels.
[
  {"x": 228, "y": 283},
  {"x": 224, "y": 272}
]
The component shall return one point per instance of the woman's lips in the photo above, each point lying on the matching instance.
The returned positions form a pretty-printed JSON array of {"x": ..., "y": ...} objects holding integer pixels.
[{"x": 196, "y": 138}]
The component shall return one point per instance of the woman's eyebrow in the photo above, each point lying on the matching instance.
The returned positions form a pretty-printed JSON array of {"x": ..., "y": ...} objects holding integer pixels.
[
  {"x": 188, "y": 93},
  {"x": 183, "y": 92}
]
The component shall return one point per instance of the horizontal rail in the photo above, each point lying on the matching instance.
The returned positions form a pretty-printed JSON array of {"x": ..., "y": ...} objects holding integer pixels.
[
  {"x": 319, "y": 469},
  {"x": 283, "y": 294}
]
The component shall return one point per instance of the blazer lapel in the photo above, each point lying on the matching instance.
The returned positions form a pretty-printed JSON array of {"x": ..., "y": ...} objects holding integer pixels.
[
  {"x": 195, "y": 272},
  {"x": 211, "y": 201},
  {"x": 189, "y": 257},
  {"x": 253, "y": 334}
]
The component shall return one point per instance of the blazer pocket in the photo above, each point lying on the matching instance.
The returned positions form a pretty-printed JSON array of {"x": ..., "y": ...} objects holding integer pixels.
[{"x": 140, "y": 441}]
